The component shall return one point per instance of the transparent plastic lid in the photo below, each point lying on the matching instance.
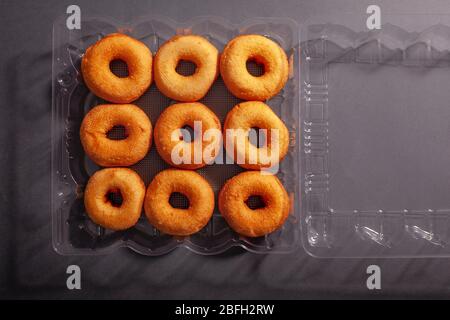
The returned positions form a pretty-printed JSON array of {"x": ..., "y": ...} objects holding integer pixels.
[{"x": 375, "y": 131}]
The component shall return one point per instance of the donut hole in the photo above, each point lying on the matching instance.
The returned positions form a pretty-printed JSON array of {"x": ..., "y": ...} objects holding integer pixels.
[
  {"x": 255, "y": 202},
  {"x": 179, "y": 200},
  {"x": 255, "y": 68},
  {"x": 257, "y": 137},
  {"x": 186, "y": 68},
  {"x": 187, "y": 133},
  {"x": 118, "y": 132},
  {"x": 114, "y": 197},
  {"x": 119, "y": 68}
]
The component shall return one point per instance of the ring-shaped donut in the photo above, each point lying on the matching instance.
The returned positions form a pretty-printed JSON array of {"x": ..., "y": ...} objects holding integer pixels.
[
  {"x": 238, "y": 123},
  {"x": 191, "y": 48},
  {"x": 113, "y": 180},
  {"x": 111, "y": 153},
  {"x": 242, "y": 84},
  {"x": 99, "y": 78},
  {"x": 169, "y": 138},
  {"x": 176, "y": 221},
  {"x": 254, "y": 222}
]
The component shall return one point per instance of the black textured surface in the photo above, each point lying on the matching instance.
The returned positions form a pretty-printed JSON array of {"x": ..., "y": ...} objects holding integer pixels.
[{"x": 30, "y": 268}]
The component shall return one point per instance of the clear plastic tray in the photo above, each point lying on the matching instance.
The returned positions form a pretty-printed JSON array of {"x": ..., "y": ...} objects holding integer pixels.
[
  {"x": 375, "y": 147},
  {"x": 73, "y": 231}
]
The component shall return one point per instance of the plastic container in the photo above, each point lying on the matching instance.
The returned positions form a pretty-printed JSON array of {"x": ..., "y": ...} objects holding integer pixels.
[
  {"x": 73, "y": 231},
  {"x": 375, "y": 146},
  {"x": 368, "y": 166}
]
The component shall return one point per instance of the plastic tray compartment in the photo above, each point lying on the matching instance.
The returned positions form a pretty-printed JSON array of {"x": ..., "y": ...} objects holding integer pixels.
[
  {"x": 375, "y": 151},
  {"x": 73, "y": 231}
]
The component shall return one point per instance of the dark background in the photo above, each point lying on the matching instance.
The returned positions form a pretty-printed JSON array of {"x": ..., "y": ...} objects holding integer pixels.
[{"x": 29, "y": 268}]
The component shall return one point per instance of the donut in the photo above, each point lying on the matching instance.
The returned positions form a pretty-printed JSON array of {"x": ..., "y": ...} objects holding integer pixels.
[
  {"x": 169, "y": 139},
  {"x": 195, "y": 49},
  {"x": 255, "y": 114},
  {"x": 111, "y": 153},
  {"x": 109, "y": 181},
  {"x": 95, "y": 67},
  {"x": 176, "y": 221},
  {"x": 254, "y": 222},
  {"x": 233, "y": 67}
]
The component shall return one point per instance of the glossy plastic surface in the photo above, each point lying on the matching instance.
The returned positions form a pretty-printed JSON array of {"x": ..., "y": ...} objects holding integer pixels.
[{"x": 375, "y": 117}]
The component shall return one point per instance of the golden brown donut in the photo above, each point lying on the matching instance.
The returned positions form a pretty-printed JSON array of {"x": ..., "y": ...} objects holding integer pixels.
[
  {"x": 111, "y": 153},
  {"x": 195, "y": 49},
  {"x": 175, "y": 221},
  {"x": 260, "y": 221},
  {"x": 114, "y": 180},
  {"x": 169, "y": 140},
  {"x": 103, "y": 82},
  {"x": 255, "y": 114},
  {"x": 233, "y": 67}
]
